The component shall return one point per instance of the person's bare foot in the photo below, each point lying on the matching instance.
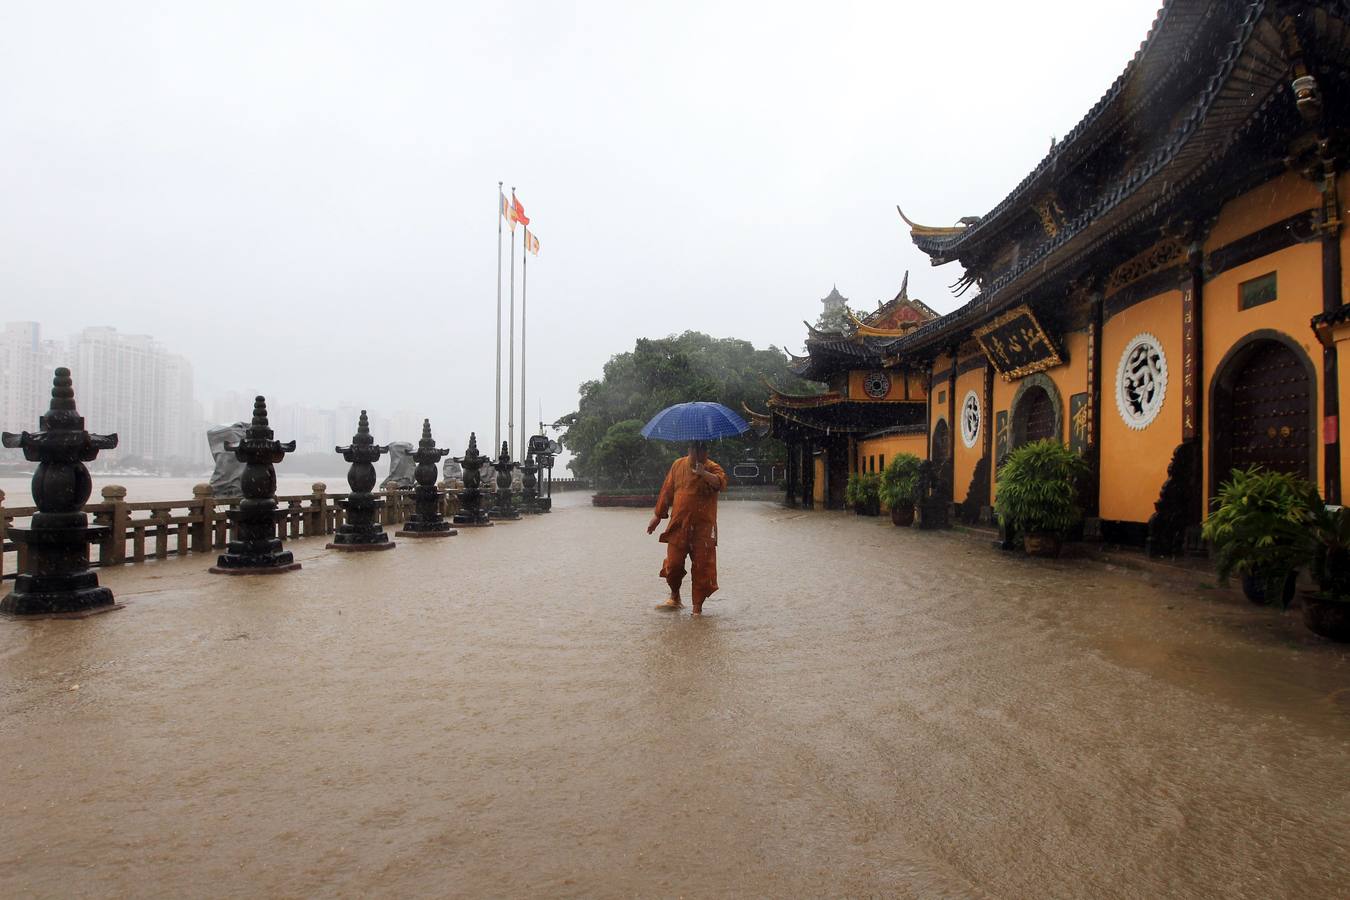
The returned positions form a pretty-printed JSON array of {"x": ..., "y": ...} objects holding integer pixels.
[
  {"x": 671, "y": 603},
  {"x": 698, "y": 609}
]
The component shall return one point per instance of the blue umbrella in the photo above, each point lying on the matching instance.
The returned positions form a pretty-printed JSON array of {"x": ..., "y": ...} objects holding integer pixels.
[{"x": 697, "y": 421}]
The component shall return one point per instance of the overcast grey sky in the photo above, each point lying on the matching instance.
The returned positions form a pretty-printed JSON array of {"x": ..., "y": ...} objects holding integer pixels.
[{"x": 301, "y": 197}]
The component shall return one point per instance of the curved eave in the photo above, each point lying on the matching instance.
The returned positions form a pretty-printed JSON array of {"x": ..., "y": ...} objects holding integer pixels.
[
  {"x": 758, "y": 418},
  {"x": 803, "y": 401},
  {"x": 849, "y": 416},
  {"x": 1196, "y": 146},
  {"x": 861, "y": 329}
]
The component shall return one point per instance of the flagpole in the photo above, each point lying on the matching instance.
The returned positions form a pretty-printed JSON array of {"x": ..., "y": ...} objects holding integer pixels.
[
  {"x": 500, "y": 196},
  {"x": 511, "y": 344},
  {"x": 524, "y": 261}
]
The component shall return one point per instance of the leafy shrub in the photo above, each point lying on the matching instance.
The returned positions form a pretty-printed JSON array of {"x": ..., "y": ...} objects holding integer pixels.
[
  {"x": 1261, "y": 526},
  {"x": 1038, "y": 488},
  {"x": 1330, "y": 560},
  {"x": 900, "y": 481},
  {"x": 863, "y": 490}
]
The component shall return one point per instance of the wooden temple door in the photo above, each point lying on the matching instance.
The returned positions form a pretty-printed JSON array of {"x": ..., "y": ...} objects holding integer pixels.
[
  {"x": 1263, "y": 413},
  {"x": 1037, "y": 412}
]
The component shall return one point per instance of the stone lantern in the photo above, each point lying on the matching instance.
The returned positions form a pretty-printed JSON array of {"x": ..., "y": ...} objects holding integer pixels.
[
  {"x": 426, "y": 521},
  {"x": 529, "y": 496},
  {"x": 56, "y": 580},
  {"x": 256, "y": 549},
  {"x": 504, "y": 509},
  {"x": 361, "y": 530},
  {"x": 471, "y": 513}
]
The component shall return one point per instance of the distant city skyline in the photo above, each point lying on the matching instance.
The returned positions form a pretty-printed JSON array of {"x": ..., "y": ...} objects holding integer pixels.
[{"x": 138, "y": 387}]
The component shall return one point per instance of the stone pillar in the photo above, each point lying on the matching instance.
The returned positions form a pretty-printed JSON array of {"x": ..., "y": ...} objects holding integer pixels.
[
  {"x": 361, "y": 530},
  {"x": 113, "y": 548},
  {"x": 471, "y": 513},
  {"x": 203, "y": 496},
  {"x": 256, "y": 549},
  {"x": 55, "y": 579},
  {"x": 426, "y": 521}
]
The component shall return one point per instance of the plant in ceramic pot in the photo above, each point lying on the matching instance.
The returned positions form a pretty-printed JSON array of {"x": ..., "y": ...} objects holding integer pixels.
[
  {"x": 1326, "y": 611},
  {"x": 1038, "y": 494},
  {"x": 900, "y": 488},
  {"x": 1260, "y": 529},
  {"x": 862, "y": 492}
]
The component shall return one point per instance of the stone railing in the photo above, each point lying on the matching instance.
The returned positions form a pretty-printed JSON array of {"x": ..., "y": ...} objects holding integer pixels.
[
  {"x": 571, "y": 484},
  {"x": 158, "y": 529}
]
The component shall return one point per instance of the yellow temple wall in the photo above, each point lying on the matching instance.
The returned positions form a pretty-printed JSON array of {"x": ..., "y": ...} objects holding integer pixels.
[
  {"x": 966, "y": 458},
  {"x": 918, "y": 389},
  {"x": 1134, "y": 463},
  {"x": 937, "y": 410},
  {"x": 1267, "y": 204},
  {"x": 892, "y": 445},
  {"x": 1299, "y": 297},
  {"x": 818, "y": 486}
]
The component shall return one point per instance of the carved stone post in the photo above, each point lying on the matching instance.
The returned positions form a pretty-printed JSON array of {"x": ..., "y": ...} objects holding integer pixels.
[
  {"x": 362, "y": 529},
  {"x": 256, "y": 549},
  {"x": 55, "y": 579},
  {"x": 471, "y": 513},
  {"x": 201, "y": 531},
  {"x": 504, "y": 509},
  {"x": 529, "y": 497},
  {"x": 426, "y": 521}
]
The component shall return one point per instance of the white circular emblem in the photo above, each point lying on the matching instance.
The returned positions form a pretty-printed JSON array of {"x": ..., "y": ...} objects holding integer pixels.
[
  {"x": 970, "y": 419},
  {"x": 1141, "y": 381}
]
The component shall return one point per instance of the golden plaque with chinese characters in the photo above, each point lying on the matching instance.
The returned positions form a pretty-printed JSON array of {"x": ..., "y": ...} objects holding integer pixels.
[{"x": 1017, "y": 345}]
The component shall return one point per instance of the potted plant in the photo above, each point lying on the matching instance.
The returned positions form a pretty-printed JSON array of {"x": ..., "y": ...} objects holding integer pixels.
[
  {"x": 863, "y": 493},
  {"x": 1260, "y": 530},
  {"x": 900, "y": 488},
  {"x": 1326, "y": 611},
  {"x": 1038, "y": 495}
]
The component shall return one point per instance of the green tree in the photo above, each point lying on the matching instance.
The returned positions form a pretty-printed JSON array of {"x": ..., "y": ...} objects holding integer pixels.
[
  {"x": 626, "y": 459},
  {"x": 661, "y": 372}
]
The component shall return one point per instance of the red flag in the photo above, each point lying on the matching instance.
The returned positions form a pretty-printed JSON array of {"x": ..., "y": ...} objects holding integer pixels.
[{"x": 518, "y": 211}]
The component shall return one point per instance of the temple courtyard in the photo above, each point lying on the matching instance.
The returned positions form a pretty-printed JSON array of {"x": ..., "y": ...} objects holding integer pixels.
[{"x": 864, "y": 711}]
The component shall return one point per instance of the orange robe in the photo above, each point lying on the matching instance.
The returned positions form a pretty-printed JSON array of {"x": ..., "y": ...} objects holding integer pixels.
[{"x": 692, "y": 531}]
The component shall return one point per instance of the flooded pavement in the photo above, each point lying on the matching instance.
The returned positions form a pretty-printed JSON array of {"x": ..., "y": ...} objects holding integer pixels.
[{"x": 864, "y": 711}]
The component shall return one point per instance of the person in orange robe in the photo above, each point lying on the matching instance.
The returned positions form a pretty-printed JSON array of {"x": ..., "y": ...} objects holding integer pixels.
[{"x": 689, "y": 497}]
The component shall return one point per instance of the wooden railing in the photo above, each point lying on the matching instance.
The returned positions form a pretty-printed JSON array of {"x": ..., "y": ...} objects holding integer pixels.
[{"x": 158, "y": 529}]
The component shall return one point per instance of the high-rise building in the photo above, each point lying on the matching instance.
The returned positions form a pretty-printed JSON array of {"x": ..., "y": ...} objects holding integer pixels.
[
  {"x": 128, "y": 383},
  {"x": 26, "y": 366}
]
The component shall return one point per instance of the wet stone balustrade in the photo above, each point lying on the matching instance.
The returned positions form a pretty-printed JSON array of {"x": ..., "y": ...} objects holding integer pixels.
[{"x": 163, "y": 528}]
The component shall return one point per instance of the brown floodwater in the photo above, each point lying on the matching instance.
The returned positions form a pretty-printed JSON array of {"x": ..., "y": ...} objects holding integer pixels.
[{"x": 864, "y": 711}]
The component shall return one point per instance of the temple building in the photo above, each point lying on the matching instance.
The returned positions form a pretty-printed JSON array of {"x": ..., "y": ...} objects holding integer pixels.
[
  {"x": 1164, "y": 291},
  {"x": 868, "y": 410}
]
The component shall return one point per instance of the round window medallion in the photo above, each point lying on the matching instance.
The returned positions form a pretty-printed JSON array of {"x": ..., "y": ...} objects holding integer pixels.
[
  {"x": 1141, "y": 381},
  {"x": 877, "y": 385},
  {"x": 970, "y": 419}
]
